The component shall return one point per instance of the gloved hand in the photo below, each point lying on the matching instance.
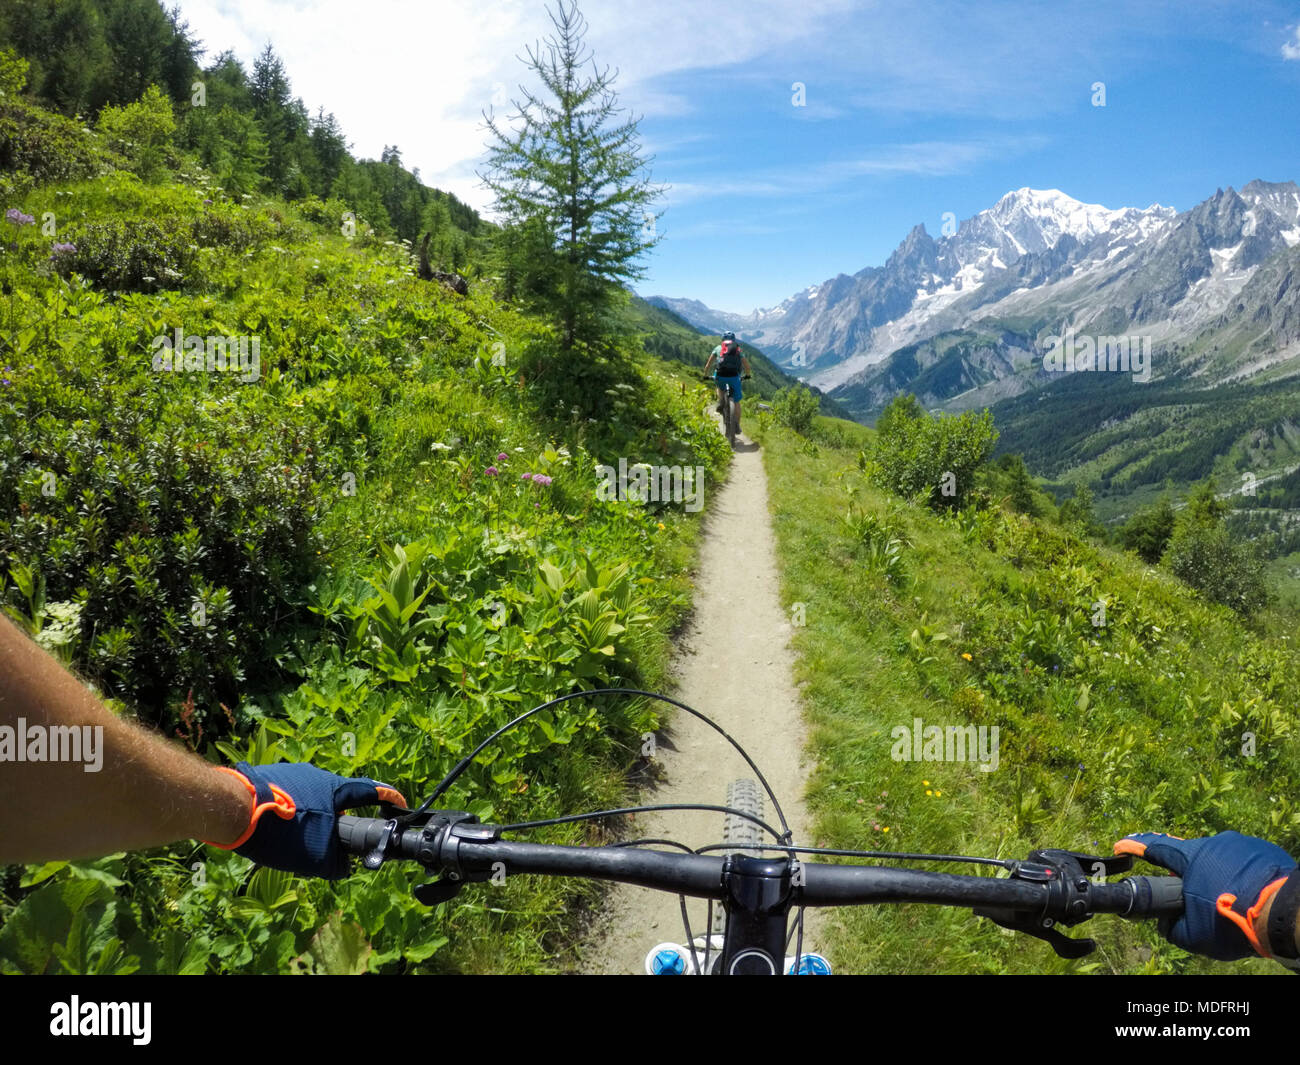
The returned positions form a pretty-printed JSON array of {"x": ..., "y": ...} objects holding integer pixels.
[
  {"x": 293, "y": 823},
  {"x": 1222, "y": 876}
]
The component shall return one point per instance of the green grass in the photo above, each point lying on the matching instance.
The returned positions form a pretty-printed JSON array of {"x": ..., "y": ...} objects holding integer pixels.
[{"x": 1134, "y": 727}]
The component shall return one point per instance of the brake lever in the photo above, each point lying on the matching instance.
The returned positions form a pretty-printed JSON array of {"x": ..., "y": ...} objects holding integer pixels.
[
  {"x": 1067, "y": 897},
  {"x": 1039, "y": 927},
  {"x": 439, "y": 844}
]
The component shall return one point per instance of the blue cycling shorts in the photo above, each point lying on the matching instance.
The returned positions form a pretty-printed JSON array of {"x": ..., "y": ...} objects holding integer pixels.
[{"x": 730, "y": 382}]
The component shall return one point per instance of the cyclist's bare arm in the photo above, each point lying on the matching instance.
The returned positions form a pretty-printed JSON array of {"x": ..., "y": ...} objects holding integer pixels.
[
  {"x": 142, "y": 791},
  {"x": 708, "y": 365},
  {"x": 749, "y": 370}
]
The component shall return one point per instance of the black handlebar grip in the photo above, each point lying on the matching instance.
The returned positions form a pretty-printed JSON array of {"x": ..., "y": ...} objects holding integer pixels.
[
  {"x": 1156, "y": 896},
  {"x": 359, "y": 835}
]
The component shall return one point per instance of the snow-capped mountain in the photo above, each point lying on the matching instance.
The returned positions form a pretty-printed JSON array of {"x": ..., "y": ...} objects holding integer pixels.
[{"x": 1038, "y": 257}]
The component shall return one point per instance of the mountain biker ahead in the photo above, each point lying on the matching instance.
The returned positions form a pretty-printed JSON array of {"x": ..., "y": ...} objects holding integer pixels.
[{"x": 730, "y": 362}]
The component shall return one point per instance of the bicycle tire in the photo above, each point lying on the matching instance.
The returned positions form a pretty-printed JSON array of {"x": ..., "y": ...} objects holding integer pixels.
[
  {"x": 733, "y": 420},
  {"x": 743, "y": 836}
]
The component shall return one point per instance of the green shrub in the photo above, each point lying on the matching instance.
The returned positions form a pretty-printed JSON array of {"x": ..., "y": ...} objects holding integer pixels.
[
  {"x": 1147, "y": 533},
  {"x": 933, "y": 457},
  {"x": 129, "y": 255},
  {"x": 141, "y": 131},
  {"x": 1223, "y": 570},
  {"x": 1077, "y": 512},
  {"x": 903, "y": 407},
  {"x": 795, "y": 407},
  {"x": 37, "y": 147},
  {"x": 186, "y": 542},
  {"x": 13, "y": 72}
]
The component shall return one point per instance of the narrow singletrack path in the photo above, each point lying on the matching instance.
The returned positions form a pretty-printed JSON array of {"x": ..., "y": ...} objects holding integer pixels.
[{"x": 734, "y": 665}]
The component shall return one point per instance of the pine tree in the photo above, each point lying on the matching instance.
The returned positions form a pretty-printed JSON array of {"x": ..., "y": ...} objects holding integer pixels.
[
  {"x": 568, "y": 163},
  {"x": 1020, "y": 485}
]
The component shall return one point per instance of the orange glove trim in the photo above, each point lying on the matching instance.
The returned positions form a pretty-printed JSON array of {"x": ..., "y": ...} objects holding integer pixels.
[
  {"x": 281, "y": 803},
  {"x": 1225, "y": 902}
]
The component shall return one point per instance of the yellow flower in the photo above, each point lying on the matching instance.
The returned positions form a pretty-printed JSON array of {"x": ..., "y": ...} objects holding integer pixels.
[
  {"x": 965, "y": 655},
  {"x": 661, "y": 525},
  {"x": 885, "y": 829},
  {"x": 925, "y": 783},
  {"x": 937, "y": 793},
  {"x": 928, "y": 791}
]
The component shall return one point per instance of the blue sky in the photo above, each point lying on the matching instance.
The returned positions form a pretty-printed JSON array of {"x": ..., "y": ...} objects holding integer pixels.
[{"x": 911, "y": 109}]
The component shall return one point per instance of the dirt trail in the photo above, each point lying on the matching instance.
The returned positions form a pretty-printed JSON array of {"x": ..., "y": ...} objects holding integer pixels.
[{"x": 734, "y": 665}]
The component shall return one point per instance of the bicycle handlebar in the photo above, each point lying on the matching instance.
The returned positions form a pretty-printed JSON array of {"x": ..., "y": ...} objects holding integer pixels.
[{"x": 467, "y": 852}]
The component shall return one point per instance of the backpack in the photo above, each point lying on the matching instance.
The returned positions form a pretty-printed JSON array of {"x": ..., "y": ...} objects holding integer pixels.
[{"x": 729, "y": 364}]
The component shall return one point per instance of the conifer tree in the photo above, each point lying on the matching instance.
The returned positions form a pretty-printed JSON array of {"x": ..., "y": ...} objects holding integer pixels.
[{"x": 567, "y": 164}]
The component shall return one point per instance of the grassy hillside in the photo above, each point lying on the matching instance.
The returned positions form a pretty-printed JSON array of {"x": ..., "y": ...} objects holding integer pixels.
[
  {"x": 990, "y": 618},
  {"x": 366, "y": 549}
]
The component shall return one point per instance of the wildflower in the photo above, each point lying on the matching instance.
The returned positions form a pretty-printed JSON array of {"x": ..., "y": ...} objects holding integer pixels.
[
  {"x": 661, "y": 524},
  {"x": 18, "y": 218},
  {"x": 928, "y": 791},
  {"x": 526, "y": 477},
  {"x": 502, "y": 456},
  {"x": 491, "y": 471},
  {"x": 966, "y": 655},
  {"x": 925, "y": 783}
]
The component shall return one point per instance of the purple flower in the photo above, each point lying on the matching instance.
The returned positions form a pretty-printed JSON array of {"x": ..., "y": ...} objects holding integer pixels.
[
  {"x": 491, "y": 471},
  {"x": 541, "y": 478},
  {"x": 18, "y": 218},
  {"x": 525, "y": 476},
  {"x": 502, "y": 456},
  {"x": 207, "y": 203},
  {"x": 62, "y": 249}
]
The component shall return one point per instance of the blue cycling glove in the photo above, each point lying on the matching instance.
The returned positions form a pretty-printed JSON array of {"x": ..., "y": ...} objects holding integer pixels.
[
  {"x": 301, "y": 833},
  {"x": 1217, "y": 872}
]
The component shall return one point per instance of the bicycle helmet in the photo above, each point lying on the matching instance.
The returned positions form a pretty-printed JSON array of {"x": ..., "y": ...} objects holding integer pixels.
[{"x": 728, "y": 336}]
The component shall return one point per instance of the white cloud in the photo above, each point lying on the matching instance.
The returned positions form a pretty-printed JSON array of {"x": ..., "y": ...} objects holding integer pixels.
[
  {"x": 419, "y": 75},
  {"x": 1291, "y": 48},
  {"x": 921, "y": 158}
]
